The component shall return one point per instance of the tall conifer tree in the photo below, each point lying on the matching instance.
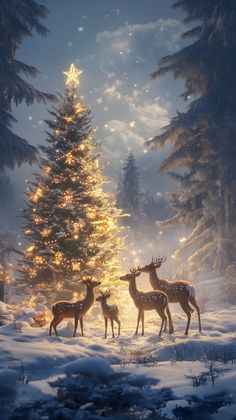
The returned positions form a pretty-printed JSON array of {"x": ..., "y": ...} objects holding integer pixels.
[
  {"x": 71, "y": 221},
  {"x": 128, "y": 192},
  {"x": 18, "y": 19},
  {"x": 203, "y": 137}
]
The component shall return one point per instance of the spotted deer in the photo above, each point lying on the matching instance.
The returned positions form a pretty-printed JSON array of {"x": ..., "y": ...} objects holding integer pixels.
[
  {"x": 76, "y": 310},
  {"x": 148, "y": 301},
  {"x": 109, "y": 312},
  {"x": 180, "y": 291}
]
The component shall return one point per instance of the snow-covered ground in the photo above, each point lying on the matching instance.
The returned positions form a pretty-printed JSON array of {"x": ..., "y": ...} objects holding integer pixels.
[{"x": 40, "y": 359}]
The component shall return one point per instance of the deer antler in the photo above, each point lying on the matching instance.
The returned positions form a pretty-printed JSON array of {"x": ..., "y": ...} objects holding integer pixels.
[
  {"x": 134, "y": 271},
  {"x": 159, "y": 260}
]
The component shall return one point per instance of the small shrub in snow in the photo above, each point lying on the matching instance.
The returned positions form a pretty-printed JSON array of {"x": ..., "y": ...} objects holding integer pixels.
[
  {"x": 140, "y": 357},
  {"x": 197, "y": 380},
  {"x": 24, "y": 375},
  {"x": 203, "y": 408},
  {"x": 214, "y": 370}
]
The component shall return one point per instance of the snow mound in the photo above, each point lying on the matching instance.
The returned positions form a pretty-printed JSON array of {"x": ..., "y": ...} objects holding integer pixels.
[
  {"x": 8, "y": 385},
  {"x": 41, "y": 308},
  {"x": 90, "y": 366},
  {"x": 3, "y": 308}
]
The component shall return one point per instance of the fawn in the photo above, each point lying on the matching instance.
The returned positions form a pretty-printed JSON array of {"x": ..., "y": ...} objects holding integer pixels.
[
  {"x": 109, "y": 312},
  {"x": 148, "y": 301},
  {"x": 179, "y": 291},
  {"x": 77, "y": 310}
]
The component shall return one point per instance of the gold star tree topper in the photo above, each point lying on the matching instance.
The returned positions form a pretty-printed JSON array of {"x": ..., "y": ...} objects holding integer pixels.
[{"x": 73, "y": 75}]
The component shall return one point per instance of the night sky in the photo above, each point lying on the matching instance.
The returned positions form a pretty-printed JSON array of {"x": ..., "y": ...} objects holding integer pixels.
[{"x": 117, "y": 44}]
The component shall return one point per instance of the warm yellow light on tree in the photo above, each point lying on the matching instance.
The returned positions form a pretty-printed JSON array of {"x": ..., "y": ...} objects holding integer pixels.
[
  {"x": 76, "y": 266},
  {"x": 30, "y": 248},
  {"x": 46, "y": 232},
  {"x": 37, "y": 195},
  {"x": 38, "y": 260}
]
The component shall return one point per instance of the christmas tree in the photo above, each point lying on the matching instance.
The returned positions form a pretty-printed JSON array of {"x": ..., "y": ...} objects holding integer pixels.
[
  {"x": 71, "y": 221},
  {"x": 129, "y": 192},
  {"x": 203, "y": 153}
]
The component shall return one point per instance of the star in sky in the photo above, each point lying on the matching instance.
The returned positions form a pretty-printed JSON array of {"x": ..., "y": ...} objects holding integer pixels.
[{"x": 72, "y": 75}]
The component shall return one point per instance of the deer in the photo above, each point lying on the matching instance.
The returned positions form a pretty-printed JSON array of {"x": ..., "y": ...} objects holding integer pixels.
[
  {"x": 76, "y": 310},
  {"x": 180, "y": 291},
  {"x": 148, "y": 301},
  {"x": 109, "y": 311}
]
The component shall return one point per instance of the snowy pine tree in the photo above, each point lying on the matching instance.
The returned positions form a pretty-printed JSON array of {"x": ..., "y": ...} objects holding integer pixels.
[
  {"x": 19, "y": 18},
  {"x": 71, "y": 221},
  {"x": 154, "y": 208},
  {"x": 229, "y": 284},
  {"x": 203, "y": 154},
  {"x": 128, "y": 191}
]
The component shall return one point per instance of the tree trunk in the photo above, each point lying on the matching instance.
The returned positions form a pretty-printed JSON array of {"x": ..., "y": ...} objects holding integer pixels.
[{"x": 2, "y": 284}]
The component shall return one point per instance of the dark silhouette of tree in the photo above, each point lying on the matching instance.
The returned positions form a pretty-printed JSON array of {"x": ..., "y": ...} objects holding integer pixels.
[
  {"x": 128, "y": 191},
  {"x": 18, "y": 19},
  {"x": 202, "y": 160}
]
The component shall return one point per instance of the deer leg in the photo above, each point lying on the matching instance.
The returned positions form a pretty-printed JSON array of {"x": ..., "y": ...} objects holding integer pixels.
[
  {"x": 163, "y": 317},
  {"x": 55, "y": 323},
  {"x": 171, "y": 328},
  {"x": 118, "y": 322},
  {"x": 142, "y": 319},
  {"x": 51, "y": 325},
  {"x": 81, "y": 326},
  {"x": 76, "y": 325},
  {"x": 106, "y": 321},
  {"x": 165, "y": 326},
  {"x": 194, "y": 303},
  {"x": 138, "y": 321},
  {"x": 188, "y": 313},
  {"x": 112, "y": 327}
]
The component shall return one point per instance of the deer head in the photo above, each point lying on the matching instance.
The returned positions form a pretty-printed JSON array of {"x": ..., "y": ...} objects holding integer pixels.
[
  {"x": 91, "y": 283},
  {"x": 103, "y": 295},
  {"x": 130, "y": 276},
  {"x": 154, "y": 264}
]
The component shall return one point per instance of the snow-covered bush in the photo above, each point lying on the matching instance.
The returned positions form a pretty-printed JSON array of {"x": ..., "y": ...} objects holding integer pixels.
[
  {"x": 8, "y": 390},
  {"x": 91, "y": 389},
  {"x": 203, "y": 408}
]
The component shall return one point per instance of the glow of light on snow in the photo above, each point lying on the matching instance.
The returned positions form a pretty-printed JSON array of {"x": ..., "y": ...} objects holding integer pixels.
[
  {"x": 80, "y": 29},
  {"x": 30, "y": 117},
  {"x": 145, "y": 151},
  {"x": 132, "y": 123},
  {"x": 183, "y": 239}
]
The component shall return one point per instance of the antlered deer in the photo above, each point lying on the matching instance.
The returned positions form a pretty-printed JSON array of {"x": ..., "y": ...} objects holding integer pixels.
[
  {"x": 109, "y": 312},
  {"x": 76, "y": 310},
  {"x": 180, "y": 291},
  {"x": 148, "y": 301}
]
